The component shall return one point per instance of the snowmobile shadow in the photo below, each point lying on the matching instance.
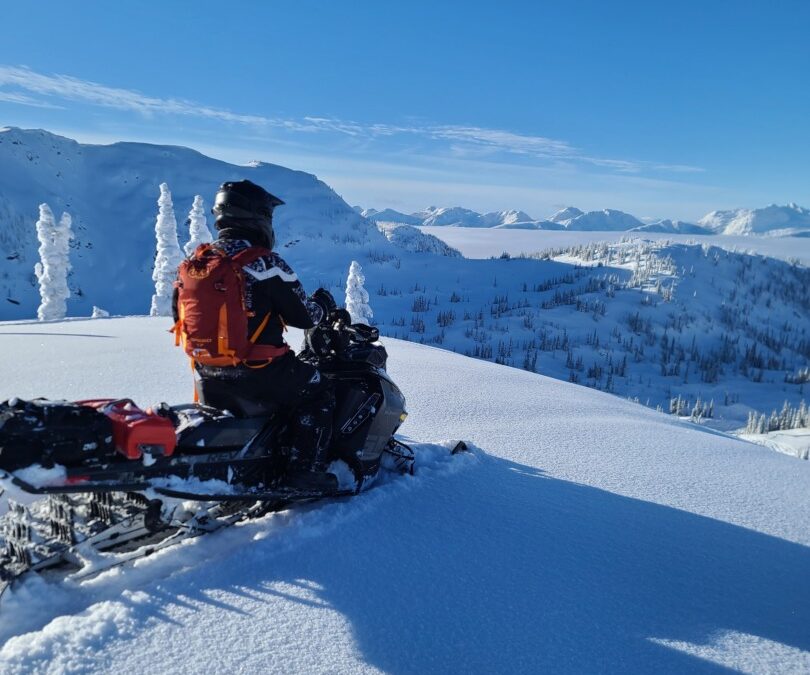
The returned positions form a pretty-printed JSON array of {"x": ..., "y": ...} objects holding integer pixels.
[{"x": 506, "y": 570}]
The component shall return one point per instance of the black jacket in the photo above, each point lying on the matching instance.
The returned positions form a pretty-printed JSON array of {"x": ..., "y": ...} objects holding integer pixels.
[{"x": 270, "y": 286}]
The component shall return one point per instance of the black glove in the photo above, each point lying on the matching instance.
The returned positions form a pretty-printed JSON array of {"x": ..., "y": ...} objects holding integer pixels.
[{"x": 325, "y": 301}]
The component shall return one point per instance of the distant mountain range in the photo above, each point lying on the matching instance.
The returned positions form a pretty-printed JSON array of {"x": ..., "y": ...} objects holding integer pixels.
[{"x": 773, "y": 220}]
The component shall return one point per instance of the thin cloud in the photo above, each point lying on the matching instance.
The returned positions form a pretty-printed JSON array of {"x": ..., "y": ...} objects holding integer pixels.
[
  {"x": 18, "y": 83},
  {"x": 22, "y": 99},
  {"x": 72, "y": 89}
]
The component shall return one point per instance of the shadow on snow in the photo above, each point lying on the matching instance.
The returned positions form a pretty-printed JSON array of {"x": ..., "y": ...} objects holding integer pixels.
[{"x": 501, "y": 568}]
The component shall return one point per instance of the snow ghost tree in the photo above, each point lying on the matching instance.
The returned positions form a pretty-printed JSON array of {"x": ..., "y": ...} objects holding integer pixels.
[
  {"x": 357, "y": 296},
  {"x": 168, "y": 256},
  {"x": 52, "y": 269},
  {"x": 197, "y": 228}
]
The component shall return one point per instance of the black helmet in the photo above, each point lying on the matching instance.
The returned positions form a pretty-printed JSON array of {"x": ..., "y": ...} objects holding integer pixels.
[{"x": 245, "y": 205}]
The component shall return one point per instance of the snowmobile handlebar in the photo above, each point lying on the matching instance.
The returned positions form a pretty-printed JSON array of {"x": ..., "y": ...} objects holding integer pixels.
[{"x": 338, "y": 335}]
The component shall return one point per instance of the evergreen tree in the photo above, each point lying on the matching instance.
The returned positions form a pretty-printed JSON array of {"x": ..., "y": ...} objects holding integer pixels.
[
  {"x": 168, "y": 255},
  {"x": 52, "y": 269},
  {"x": 357, "y": 296},
  {"x": 197, "y": 228}
]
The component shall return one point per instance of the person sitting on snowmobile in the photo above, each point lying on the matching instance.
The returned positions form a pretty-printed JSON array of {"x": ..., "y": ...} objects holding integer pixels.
[{"x": 273, "y": 299}]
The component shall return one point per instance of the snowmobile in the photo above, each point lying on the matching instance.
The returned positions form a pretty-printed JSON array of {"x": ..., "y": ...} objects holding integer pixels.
[{"x": 121, "y": 483}]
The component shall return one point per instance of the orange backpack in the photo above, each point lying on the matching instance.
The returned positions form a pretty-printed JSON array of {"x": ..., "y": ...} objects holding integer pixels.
[{"x": 212, "y": 317}]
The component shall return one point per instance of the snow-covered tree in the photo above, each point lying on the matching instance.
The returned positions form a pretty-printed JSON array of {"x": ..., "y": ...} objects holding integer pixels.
[
  {"x": 197, "y": 228},
  {"x": 168, "y": 255},
  {"x": 52, "y": 269},
  {"x": 357, "y": 296}
]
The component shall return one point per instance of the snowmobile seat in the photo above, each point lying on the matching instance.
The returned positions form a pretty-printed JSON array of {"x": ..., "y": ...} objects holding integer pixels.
[{"x": 227, "y": 396}]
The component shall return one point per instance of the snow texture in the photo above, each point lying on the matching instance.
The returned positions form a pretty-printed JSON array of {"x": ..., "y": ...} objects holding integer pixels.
[
  {"x": 357, "y": 295},
  {"x": 54, "y": 264},
  {"x": 584, "y": 533},
  {"x": 168, "y": 255},
  {"x": 197, "y": 228}
]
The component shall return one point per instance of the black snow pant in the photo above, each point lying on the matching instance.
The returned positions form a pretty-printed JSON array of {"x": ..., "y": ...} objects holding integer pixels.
[{"x": 286, "y": 383}]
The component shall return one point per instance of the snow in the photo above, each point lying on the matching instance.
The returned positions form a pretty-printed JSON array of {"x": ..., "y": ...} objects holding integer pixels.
[
  {"x": 413, "y": 239},
  {"x": 583, "y": 533},
  {"x": 452, "y": 215},
  {"x": 794, "y": 442},
  {"x": 773, "y": 220},
  {"x": 391, "y": 216},
  {"x": 195, "y": 485},
  {"x": 566, "y": 214},
  {"x": 38, "y": 475},
  {"x": 607, "y": 220},
  {"x": 676, "y": 227}
]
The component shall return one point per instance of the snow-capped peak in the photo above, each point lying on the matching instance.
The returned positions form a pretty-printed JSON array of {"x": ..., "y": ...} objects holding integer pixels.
[
  {"x": 604, "y": 220},
  {"x": 566, "y": 214},
  {"x": 768, "y": 220}
]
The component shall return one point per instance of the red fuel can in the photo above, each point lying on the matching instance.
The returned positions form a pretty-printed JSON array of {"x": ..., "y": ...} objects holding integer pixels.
[{"x": 136, "y": 431}]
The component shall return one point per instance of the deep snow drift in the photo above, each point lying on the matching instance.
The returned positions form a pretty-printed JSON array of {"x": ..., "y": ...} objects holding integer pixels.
[{"x": 584, "y": 534}]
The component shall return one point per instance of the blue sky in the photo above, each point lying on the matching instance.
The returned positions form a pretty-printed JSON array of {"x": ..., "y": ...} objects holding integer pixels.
[{"x": 662, "y": 110}]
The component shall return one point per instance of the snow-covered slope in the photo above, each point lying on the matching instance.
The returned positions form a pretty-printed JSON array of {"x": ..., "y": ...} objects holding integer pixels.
[
  {"x": 566, "y": 214},
  {"x": 585, "y": 534},
  {"x": 413, "y": 239},
  {"x": 501, "y": 218},
  {"x": 672, "y": 227},
  {"x": 457, "y": 216},
  {"x": 774, "y": 220},
  {"x": 790, "y": 220},
  {"x": 569, "y": 218},
  {"x": 391, "y": 216},
  {"x": 453, "y": 215},
  {"x": 111, "y": 192},
  {"x": 606, "y": 220}
]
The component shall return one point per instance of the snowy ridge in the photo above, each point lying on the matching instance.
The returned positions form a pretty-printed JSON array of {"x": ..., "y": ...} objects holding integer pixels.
[
  {"x": 774, "y": 220},
  {"x": 413, "y": 239},
  {"x": 111, "y": 191},
  {"x": 606, "y": 220},
  {"x": 672, "y": 227},
  {"x": 390, "y": 216},
  {"x": 569, "y": 218},
  {"x": 593, "y": 533}
]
